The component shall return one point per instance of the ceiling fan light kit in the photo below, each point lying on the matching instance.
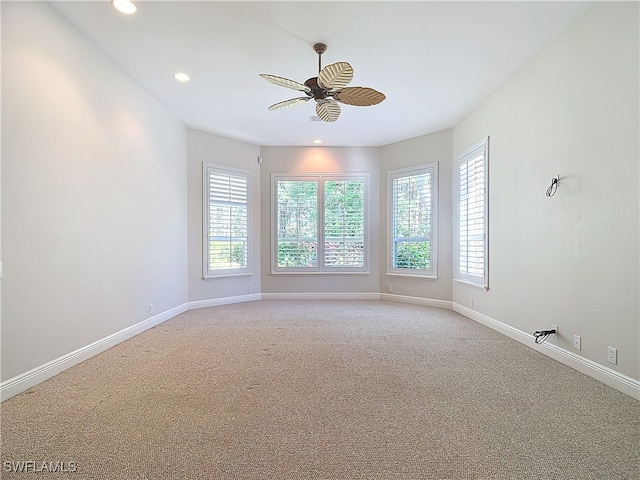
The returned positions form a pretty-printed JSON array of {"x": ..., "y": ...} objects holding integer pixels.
[{"x": 328, "y": 88}]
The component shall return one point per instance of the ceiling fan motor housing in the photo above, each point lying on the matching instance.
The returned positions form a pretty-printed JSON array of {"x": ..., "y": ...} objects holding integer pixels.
[{"x": 317, "y": 92}]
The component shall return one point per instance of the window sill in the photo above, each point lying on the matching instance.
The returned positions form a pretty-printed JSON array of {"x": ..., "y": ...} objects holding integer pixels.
[
  {"x": 318, "y": 273},
  {"x": 472, "y": 284},
  {"x": 227, "y": 275},
  {"x": 412, "y": 275}
]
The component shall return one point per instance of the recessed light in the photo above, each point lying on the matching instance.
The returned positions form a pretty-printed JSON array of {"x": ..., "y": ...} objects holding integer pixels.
[
  {"x": 181, "y": 77},
  {"x": 317, "y": 142},
  {"x": 124, "y": 6}
]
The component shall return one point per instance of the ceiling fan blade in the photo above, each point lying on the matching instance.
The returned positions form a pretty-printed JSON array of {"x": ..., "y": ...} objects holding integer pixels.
[
  {"x": 359, "y": 96},
  {"x": 288, "y": 103},
  {"x": 328, "y": 110},
  {"x": 336, "y": 75},
  {"x": 285, "y": 82}
]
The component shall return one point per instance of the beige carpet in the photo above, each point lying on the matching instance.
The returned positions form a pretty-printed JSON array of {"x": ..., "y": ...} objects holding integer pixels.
[{"x": 322, "y": 390}]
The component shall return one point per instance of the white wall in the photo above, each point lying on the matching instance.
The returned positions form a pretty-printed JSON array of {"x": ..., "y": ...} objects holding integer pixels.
[
  {"x": 435, "y": 147},
  {"x": 572, "y": 259},
  {"x": 94, "y": 197},
  {"x": 318, "y": 160},
  {"x": 205, "y": 147}
]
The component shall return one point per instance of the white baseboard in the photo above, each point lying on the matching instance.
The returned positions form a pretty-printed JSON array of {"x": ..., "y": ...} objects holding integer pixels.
[
  {"x": 215, "y": 302},
  {"x": 321, "y": 296},
  {"x": 606, "y": 375},
  {"x": 28, "y": 379},
  {"x": 425, "y": 302}
]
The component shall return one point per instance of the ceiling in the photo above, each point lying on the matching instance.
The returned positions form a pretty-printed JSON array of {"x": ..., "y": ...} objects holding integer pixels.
[{"x": 434, "y": 61}]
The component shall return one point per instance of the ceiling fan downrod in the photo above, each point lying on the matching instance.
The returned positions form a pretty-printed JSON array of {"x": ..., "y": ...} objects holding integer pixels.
[
  {"x": 320, "y": 48},
  {"x": 317, "y": 92}
]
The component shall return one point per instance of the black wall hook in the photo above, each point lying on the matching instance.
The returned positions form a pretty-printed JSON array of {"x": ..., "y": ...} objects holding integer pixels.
[{"x": 551, "y": 191}]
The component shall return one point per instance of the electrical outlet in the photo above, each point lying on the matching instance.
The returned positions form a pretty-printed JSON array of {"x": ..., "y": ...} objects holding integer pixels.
[
  {"x": 389, "y": 288},
  {"x": 555, "y": 327},
  {"x": 150, "y": 308},
  {"x": 577, "y": 342},
  {"x": 249, "y": 289},
  {"x": 613, "y": 355},
  {"x": 471, "y": 302}
]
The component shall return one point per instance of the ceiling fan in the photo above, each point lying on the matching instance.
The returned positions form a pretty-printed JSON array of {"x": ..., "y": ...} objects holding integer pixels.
[{"x": 329, "y": 87}]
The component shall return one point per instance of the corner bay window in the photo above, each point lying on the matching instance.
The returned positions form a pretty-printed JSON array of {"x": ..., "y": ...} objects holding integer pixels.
[
  {"x": 472, "y": 216},
  {"x": 413, "y": 196},
  {"x": 226, "y": 221}
]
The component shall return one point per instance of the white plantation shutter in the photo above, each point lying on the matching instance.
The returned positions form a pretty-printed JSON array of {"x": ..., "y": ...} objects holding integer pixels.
[
  {"x": 296, "y": 224},
  {"x": 413, "y": 212},
  {"x": 319, "y": 223},
  {"x": 226, "y": 249},
  {"x": 344, "y": 224},
  {"x": 472, "y": 225}
]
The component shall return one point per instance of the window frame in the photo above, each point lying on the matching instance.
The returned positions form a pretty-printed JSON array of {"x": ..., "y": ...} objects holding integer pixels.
[
  {"x": 321, "y": 179},
  {"x": 208, "y": 273},
  {"x": 416, "y": 170},
  {"x": 482, "y": 147}
]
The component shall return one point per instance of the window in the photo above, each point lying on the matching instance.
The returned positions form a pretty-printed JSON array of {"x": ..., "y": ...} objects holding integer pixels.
[
  {"x": 413, "y": 207},
  {"x": 472, "y": 216},
  {"x": 226, "y": 221},
  {"x": 319, "y": 223}
]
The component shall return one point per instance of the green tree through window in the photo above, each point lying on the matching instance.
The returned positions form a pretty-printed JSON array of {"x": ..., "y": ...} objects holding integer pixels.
[{"x": 297, "y": 223}]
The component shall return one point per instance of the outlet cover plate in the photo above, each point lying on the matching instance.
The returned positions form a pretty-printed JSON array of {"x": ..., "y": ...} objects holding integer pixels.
[{"x": 613, "y": 355}]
